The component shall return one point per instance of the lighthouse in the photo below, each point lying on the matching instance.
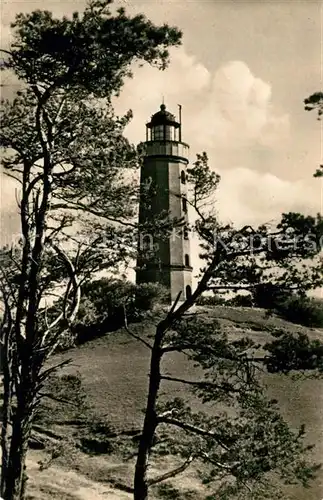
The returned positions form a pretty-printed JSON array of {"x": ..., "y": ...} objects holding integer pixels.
[{"x": 165, "y": 258}]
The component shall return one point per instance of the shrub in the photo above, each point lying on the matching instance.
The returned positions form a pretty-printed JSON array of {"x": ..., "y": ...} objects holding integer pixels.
[
  {"x": 106, "y": 297},
  {"x": 291, "y": 306},
  {"x": 210, "y": 300},
  {"x": 148, "y": 295},
  {"x": 302, "y": 310},
  {"x": 240, "y": 300},
  {"x": 268, "y": 296},
  {"x": 103, "y": 304},
  {"x": 167, "y": 491},
  {"x": 95, "y": 437},
  {"x": 64, "y": 399}
]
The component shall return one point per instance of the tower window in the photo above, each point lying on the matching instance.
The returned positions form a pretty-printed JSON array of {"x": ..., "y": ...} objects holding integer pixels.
[
  {"x": 183, "y": 177},
  {"x": 187, "y": 260},
  {"x": 169, "y": 133},
  {"x": 188, "y": 291},
  {"x": 184, "y": 204},
  {"x": 185, "y": 232},
  {"x": 158, "y": 133}
]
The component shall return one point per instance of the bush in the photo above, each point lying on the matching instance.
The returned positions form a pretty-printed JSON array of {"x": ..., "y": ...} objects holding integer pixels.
[
  {"x": 210, "y": 300},
  {"x": 240, "y": 300},
  {"x": 289, "y": 305},
  {"x": 148, "y": 295},
  {"x": 64, "y": 399},
  {"x": 96, "y": 436},
  {"x": 103, "y": 304},
  {"x": 167, "y": 491},
  {"x": 106, "y": 297},
  {"x": 268, "y": 296},
  {"x": 302, "y": 310}
]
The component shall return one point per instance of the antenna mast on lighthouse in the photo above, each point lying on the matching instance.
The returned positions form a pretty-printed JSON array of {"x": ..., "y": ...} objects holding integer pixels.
[{"x": 180, "y": 121}]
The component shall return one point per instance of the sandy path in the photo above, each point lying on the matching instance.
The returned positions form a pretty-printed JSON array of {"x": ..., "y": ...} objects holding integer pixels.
[{"x": 57, "y": 483}]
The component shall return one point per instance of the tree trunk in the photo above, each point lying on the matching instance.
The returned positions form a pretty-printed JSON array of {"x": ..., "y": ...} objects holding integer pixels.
[
  {"x": 150, "y": 422},
  {"x": 6, "y": 409},
  {"x": 16, "y": 465},
  {"x": 13, "y": 480},
  {"x": 141, "y": 480},
  {"x": 21, "y": 430}
]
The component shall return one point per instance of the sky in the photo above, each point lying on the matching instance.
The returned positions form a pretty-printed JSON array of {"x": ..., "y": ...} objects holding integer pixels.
[{"x": 241, "y": 76}]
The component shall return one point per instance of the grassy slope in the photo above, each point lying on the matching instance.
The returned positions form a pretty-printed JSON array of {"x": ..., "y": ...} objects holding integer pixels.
[{"x": 114, "y": 371}]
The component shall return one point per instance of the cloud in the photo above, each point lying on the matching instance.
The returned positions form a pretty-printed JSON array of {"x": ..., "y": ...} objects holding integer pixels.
[
  {"x": 240, "y": 98},
  {"x": 229, "y": 108},
  {"x": 238, "y": 111},
  {"x": 246, "y": 196}
]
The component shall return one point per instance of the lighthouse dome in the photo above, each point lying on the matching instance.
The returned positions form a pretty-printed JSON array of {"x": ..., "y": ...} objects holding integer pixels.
[{"x": 163, "y": 117}]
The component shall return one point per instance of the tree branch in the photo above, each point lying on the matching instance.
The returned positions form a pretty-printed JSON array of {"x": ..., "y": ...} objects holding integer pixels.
[
  {"x": 218, "y": 464},
  {"x": 225, "y": 388},
  {"x": 172, "y": 309},
  {"x": 46, "y": 373},
  {"x": 85, "y": 208},
  {"x": 133, "y": 335},
  {"x": 55, "y": 398},
  {"x": 73, "y": 281},
  {"x": 171, "y": 473},
  {"x": 193, "y": 429}
]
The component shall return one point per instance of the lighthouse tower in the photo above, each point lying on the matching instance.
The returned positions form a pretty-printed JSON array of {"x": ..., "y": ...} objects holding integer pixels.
[{"x": 164, "y": 259}]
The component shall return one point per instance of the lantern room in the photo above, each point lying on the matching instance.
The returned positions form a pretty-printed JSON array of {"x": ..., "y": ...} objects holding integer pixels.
[{"x": 163, "y": 127}]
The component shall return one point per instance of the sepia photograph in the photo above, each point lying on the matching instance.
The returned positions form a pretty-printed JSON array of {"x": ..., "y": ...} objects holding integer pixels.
[{"x": 161, "y": 250}]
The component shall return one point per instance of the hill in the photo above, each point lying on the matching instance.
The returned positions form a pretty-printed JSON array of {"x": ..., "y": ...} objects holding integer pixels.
[{"x": 114, "y": 372}]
